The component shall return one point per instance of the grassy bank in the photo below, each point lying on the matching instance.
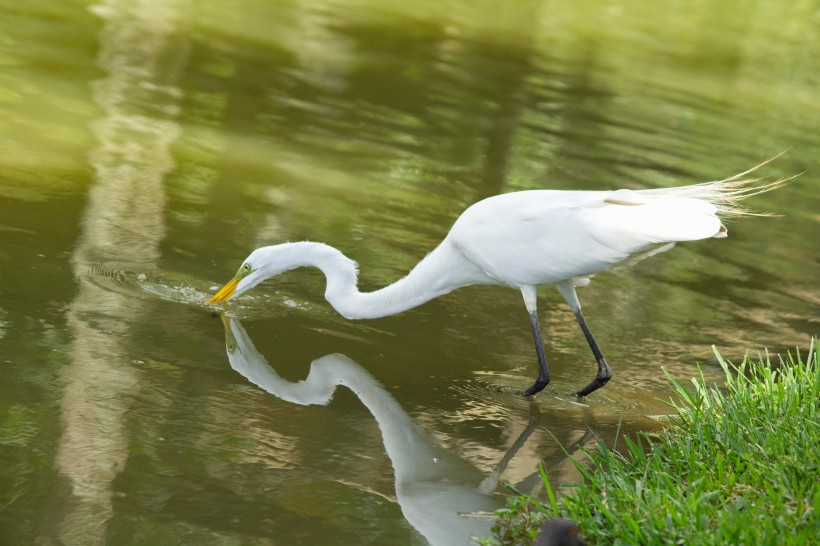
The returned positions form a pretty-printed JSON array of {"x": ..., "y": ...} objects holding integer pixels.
[{"x": 737, "y": 465}]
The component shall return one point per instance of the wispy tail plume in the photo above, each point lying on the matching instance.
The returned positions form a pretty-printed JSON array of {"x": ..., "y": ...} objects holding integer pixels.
[{"x": 728, "y": 194}]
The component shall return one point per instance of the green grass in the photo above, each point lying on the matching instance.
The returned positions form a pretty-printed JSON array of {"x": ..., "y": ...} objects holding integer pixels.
[{"x": 738, "y": 465}]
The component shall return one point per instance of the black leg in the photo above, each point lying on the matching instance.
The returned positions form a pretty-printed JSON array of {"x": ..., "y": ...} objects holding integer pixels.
[
  {"x": 543, "y": 372},
  {"x": 604, "y": 371}
]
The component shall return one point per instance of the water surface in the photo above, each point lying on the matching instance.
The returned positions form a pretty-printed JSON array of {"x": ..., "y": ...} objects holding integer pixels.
[{"x": 146, "y": 148}]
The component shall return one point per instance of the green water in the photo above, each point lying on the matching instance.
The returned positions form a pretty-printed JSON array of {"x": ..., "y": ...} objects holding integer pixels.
[{"x": 147, "y": 147}]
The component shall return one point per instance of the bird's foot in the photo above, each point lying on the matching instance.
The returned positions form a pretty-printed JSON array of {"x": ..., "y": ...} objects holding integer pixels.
[
  {"x": 596, "y": 384},
  {"x": 537, "y": 387}
]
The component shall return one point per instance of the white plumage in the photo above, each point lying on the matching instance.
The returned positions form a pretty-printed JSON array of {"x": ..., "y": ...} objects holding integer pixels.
[{"x": 524, "y": 240}]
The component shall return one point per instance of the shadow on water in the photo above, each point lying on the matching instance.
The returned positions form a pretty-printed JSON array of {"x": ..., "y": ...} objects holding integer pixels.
[{"x": 444, "y": 497}]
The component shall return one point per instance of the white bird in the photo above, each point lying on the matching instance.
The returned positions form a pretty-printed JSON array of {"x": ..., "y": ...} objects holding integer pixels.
[{"x": 523, "y": 240}]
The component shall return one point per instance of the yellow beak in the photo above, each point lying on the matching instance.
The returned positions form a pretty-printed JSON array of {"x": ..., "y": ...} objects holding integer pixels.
[
  {"x": 226, "y": 322},
  {"x": 225, "y": 292}
]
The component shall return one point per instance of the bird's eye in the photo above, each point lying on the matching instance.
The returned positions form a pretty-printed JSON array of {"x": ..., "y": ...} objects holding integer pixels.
[{"x": 246, "y": 268}]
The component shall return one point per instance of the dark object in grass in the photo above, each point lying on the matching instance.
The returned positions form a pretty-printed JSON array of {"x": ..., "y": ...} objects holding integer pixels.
[
  {"x": 215, "y": 314},
  {"x": 560, "y": 532}
]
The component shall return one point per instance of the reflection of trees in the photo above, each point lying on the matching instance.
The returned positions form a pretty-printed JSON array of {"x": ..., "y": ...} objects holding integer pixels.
[
  {"x": 434, "y": 97},
  {"x": 123, "y": 223}
]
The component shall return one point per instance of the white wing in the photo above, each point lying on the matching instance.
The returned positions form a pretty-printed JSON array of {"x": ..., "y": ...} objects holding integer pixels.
[{"x": 544, "y": 236}]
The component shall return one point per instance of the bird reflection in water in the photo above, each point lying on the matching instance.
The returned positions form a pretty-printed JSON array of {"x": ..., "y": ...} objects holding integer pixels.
[{"x": 442, "y": 496}]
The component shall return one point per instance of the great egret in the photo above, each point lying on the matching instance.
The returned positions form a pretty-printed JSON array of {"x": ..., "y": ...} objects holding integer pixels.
[{"x": 523, "y": 240}]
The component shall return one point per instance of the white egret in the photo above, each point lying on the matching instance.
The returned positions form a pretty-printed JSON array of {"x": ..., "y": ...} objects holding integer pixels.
[{"x": 523, "y": 240}]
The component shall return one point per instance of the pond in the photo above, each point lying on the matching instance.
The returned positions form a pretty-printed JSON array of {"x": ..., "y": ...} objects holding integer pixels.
[{"x": 146, "y": 148}]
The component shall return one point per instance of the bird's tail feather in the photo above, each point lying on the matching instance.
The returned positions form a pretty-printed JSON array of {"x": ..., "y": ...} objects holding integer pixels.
[{"x": 727, "y": 194}]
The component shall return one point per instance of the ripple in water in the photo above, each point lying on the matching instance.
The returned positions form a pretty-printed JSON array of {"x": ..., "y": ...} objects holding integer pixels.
[
  {"x": 179, "y": 288},
  {"x": 559, "y": 394},
  {"x": 133, "y": 282}
]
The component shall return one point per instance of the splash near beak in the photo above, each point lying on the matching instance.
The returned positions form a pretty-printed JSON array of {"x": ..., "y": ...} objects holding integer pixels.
[{"x": 226, "y": 292}]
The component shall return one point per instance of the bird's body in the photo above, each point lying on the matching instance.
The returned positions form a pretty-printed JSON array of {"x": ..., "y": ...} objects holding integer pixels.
[
  {"x": 552, "y": 235},
  {"x": 522, "y": 240}
]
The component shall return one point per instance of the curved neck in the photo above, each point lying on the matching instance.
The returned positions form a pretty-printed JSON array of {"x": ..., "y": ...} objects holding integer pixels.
[{"x": 440, "y": 272}]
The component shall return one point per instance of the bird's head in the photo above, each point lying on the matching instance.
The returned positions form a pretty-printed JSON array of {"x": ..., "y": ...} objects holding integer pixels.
[{"x": 261, "y": 264}]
